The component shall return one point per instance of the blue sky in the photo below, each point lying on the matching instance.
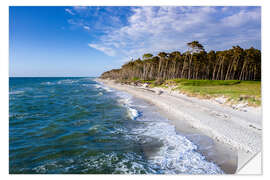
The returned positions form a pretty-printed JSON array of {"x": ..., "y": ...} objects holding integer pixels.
[{"x": 86, "y": 41}]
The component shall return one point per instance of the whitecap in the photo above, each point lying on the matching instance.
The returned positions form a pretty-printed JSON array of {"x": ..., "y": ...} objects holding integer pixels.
[
  {"x": 94, "y": 128},
  {"x": 47, "y": 83},
  {"x": 177, "y": 154},
  {"x": 102, "y": 86},
  {"x": 133, "y": 113},
  {"x": 100, "y": 93},
  {"x": 126, "y": 101},
  {"x": 66, "y": 81},
  {"x": 107, "y": 89},
  {"x": 16, "y": 92},
  {"x": 97, "y": 86}
]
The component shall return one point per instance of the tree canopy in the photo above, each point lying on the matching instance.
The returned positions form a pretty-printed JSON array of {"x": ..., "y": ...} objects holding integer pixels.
[{"x": 232, "y": 64}]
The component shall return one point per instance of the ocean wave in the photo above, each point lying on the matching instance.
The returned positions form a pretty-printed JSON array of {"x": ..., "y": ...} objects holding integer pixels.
[
  {"x": 47, "y": 83},
  {"x": 126, "y": 101},
  {"x": 107, "y": 89},
  {"x": 17, "y": 115},
  {"x": 133, "y": 113},
  {"x": 124, "y": 163},
  {"x": 87, "y": 85},
  {"x": 116, "y": 163},
  {"x": 100, "y": 94},
  {"x": 64, "y": 81},
  {"x": 100, "y": 85},
  {"x": 177, "y": 154},
  {"x": 47, "y": 167},
  {"x": 94, "y": 128},
  {"x": 174, "y": 154},
  {"x": 67, "y": 81},
  {"x": 76, "y": 118},
  {"x": 97, "y": 86},
  {"x": 16, "y": 92}
]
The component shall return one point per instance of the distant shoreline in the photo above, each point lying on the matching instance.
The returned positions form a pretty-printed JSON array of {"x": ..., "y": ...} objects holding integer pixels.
[{"x": 238, "y": 130}]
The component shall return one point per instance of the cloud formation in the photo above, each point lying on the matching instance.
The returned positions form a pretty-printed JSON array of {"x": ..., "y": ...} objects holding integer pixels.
[
  {"x": 70, "y": 11},
  {"x": 86, "y": 27},
  {"x": 107, "y": 50},
  {"x": 154, "y": 29}
]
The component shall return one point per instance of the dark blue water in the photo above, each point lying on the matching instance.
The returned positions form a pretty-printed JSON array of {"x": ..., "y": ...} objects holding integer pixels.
[{"x": 76, "y": 125}]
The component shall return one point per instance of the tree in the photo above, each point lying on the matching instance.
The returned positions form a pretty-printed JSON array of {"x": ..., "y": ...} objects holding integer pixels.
[
  {"x": 147, "y": 56},
  {"x": 196, "y": 47},
  {"x": 196, "y": 63}
]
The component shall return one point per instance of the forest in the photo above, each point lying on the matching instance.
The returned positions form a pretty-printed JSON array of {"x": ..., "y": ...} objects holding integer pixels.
[{"x": 232, "y": 64}]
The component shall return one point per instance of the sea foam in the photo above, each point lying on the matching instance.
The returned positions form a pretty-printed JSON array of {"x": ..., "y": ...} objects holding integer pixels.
[
  {"x": 102, "y": 86},
  {"x": 177, "y": 154},
  {"x": 133, "y": 113},
  {"x": 126, "y": 101}
]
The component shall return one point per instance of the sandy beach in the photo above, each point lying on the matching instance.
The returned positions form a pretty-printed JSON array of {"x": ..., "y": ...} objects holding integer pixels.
[{"x": 236, "y": 132}]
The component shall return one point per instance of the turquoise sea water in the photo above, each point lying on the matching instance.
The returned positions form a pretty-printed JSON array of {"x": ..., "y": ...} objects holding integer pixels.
[{"x": 76, "y": 125}]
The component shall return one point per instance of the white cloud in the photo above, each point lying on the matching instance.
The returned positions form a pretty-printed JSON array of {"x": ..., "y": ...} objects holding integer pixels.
[
  {"x": 242, "y": 17},
  {"x": 106, "y": 50},
  {"x": 70, "y": 11},
  {"x": 86, "y": 27},
  {"x": 80, "y": 8},
  {"x": 154, "y": 29}
]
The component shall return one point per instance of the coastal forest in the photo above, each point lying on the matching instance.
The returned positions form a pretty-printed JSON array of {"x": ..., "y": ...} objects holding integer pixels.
[{"x": 232, "y": 64}]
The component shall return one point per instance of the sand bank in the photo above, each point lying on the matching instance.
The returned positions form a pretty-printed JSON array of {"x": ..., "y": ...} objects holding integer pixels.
[{"x": 237, "y": 133}]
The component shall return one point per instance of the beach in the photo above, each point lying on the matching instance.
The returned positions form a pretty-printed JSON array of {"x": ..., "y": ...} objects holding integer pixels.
[{"x": 236, "y": 132}]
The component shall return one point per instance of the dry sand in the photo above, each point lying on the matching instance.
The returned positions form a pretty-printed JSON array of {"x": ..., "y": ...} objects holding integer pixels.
[{"x": 236, "y": 133}]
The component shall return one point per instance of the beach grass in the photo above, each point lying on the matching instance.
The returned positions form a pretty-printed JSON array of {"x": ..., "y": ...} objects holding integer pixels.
[{"x": 234, "y": 90}]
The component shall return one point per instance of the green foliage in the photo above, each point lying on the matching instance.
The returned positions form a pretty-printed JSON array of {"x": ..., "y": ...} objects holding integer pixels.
[
  {"x": 235, "y": 91},
  {"x": 135, "y": 79},
  {"x": 196, "y": 64},
  {"x": 147, "y": 81},
  {"x": 187, "y": 82},
  {"x": 196, "y": 46},
  {"x": 147, "y": 56}
]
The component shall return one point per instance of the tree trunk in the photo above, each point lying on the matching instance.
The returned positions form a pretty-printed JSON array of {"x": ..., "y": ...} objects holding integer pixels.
[{"x": 189, "y": 67}]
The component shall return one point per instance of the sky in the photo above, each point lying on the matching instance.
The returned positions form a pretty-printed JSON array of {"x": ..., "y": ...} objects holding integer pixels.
[{"x": 86, "y": 41}]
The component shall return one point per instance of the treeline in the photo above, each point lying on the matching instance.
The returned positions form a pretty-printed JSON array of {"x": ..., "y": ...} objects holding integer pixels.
[{"x": 233, "y": 64}]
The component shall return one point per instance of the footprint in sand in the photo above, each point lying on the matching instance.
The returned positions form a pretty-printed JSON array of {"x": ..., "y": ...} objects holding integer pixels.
[{"x": 220, "y": 115}]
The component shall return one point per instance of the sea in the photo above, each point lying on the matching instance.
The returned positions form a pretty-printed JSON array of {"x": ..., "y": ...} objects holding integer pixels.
[{"x": 80, "y": 126}]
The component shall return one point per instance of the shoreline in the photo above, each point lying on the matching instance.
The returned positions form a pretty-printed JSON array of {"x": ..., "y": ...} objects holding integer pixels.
[{"x": 232, "y": 131}]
